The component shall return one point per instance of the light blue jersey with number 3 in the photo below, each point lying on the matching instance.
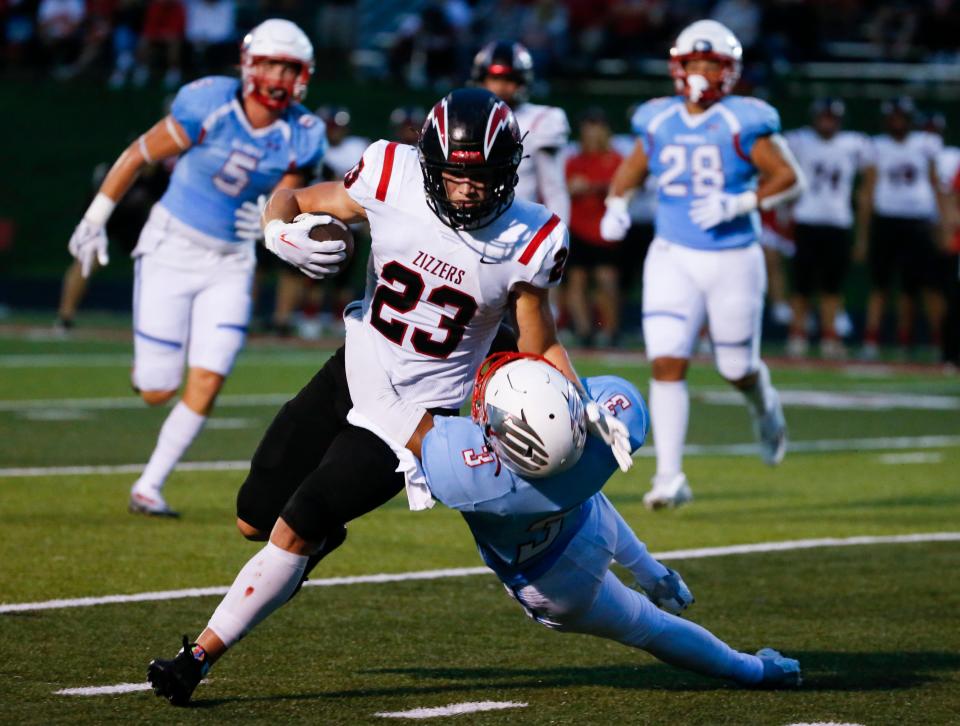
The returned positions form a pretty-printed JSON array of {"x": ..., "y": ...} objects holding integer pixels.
[
  {"x": 523, "y": 525},
  {"x": 229, "y": 161},
  {"x": 696, "y": 155}
]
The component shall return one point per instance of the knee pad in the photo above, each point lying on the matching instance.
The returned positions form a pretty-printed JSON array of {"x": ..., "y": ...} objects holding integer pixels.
[
  {"x": 157, "y": 373},
  {"x": 735, "y": 361}
]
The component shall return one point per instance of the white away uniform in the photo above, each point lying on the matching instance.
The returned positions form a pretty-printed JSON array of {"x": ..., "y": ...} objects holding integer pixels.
[
  {"x": 436, "y": 296},
  {"x": 545, "y": 131},
  {"x": 830, "y": 167}
]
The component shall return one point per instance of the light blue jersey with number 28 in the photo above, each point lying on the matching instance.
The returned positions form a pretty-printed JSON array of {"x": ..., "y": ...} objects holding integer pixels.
[
  {"x": 696, "y": 155},
  {"x": 229, "y": 161},
  {"x": 523, "y": 525}
]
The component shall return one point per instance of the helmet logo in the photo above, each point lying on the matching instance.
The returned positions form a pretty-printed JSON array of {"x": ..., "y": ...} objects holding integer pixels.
[
  {"x": 438, "y": 117},
  {"x": 497, "y": 120},
  {"x": 702, "y": 46}
]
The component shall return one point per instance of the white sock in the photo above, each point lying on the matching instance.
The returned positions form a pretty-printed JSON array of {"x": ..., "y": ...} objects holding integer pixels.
[
  {"x": 263, "y": 585},
  {"x": 177, "y": 433},
  {"x": 762, "y": 395},
  {"x": 669, "y": 412}
]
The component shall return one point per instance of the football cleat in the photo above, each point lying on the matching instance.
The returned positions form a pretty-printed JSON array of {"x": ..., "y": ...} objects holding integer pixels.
[
  {"x": 671, "y": 593},
  {"x": 771, "y": 432},
  {"x": 778, "y": 670},
  {"x": 153, "y": 505},
  {"x": 668, "y": 492},
  {"x": 176, "y": 679}
]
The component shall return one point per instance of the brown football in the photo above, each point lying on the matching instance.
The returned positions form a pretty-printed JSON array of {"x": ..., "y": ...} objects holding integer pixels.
[{"x": 324, "y": 232}]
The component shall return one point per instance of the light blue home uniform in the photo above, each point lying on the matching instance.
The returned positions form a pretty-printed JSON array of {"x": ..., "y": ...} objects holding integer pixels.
[
  {"x": 229, "y": 161},
  {"x": 551, "y": 541},
  {"x": 696, "y": 155},
  {"x": 523, "y": 525},
  {"x": 193, "y": 276}
]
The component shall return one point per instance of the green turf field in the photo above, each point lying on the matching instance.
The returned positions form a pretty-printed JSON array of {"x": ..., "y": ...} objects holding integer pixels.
[{"x": 876, "y": 626}]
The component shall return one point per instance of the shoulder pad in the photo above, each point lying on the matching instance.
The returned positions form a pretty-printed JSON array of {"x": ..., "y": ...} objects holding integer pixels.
[{"x": 197, "y": 101}]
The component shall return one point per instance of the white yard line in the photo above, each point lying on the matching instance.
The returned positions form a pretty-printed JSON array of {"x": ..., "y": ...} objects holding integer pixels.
[
  {"x": 840, "y": 401},
  {"x": 116, "y": 403},
  {"x": 123, "y": 360},
  {"x": 688, "y": 554},
  {"x": 911, "y": 457},
  {"x": 103, "y": 690},
  {"x": 797, "y": 447},
  {"x": 453, "y": 709}
]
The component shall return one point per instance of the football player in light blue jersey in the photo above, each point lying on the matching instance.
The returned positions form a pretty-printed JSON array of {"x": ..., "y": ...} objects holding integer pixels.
[
  {"x": 527, "y": 480},
  {"x": 719, "y": 159},
  {"x": 237, "y": 140}
]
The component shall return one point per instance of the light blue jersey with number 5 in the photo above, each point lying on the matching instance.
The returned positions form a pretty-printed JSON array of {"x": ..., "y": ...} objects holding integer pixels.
[
  {"x": 523, "y": 525},
  {"x": 229, "y": 161},
  {"x": 696, "y": 155}
]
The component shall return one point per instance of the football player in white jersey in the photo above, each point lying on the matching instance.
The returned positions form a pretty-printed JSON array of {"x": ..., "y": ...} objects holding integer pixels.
[
  {"x": 451, "y": 254},
  {"x": 236, "y": 139},
  {"x": 901, "y": 198},
  {"x": 719, "y": 159},
  {"x": 506, "y": 70},
  {"x": 831, "y": 159}
]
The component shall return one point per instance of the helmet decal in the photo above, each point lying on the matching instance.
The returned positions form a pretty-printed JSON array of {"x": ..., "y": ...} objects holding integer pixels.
[
  {"x": 438, "y": 117},
  {"x": 497, "y": 120}
]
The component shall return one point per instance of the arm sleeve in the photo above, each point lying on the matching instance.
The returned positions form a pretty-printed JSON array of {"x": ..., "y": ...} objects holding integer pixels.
[
  {"x": 552, "y": 183},
  {"x": 640, "y": 122},
  {"x": 759, "y": 119},
  {"x": 195, "y": 102},
  {"x": 621, "y": 398},
  {"x": 363, "y": 180},
  {"x": 546, "y": 264},
  {"x": 312, "y": 141}
]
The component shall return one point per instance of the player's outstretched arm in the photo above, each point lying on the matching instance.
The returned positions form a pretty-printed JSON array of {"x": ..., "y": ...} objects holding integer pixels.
[
  {"x": 537, "y": 333},
  {"x": 631, "y": 173},
  {"x": 89, "y": 240}
]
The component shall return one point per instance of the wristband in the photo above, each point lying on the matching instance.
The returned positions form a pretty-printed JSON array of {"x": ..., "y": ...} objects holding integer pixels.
[
  {"x": 100, "y": 210},
  {"x": 270, "y": 232},
  {"x": 616, "y": 204}
]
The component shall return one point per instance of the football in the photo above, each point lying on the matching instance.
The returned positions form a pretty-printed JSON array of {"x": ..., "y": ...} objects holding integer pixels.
[{"x": 335, "y": 230}]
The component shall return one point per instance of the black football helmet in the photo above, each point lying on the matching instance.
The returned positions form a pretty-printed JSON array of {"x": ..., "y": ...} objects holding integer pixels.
[
  {"x": 470, "y": 133},
  {"x": 507, "y": 60}
]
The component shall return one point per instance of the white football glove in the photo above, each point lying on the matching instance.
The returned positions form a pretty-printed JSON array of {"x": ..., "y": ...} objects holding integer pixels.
[
  {"x": 612, "y": 431},
  {"x": 719, "y": 207},
  {"x": 89, "y": 242},
  {"x": 616, "y": 219},
  {"x": 291, "y": 243},
  {"x": 246, "y": 220}
]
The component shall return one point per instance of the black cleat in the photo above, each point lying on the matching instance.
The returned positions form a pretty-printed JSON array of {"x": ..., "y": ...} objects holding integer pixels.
[{"x": 176, "y": 679}]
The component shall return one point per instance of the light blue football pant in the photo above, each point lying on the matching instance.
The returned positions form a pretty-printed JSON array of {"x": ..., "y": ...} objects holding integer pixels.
[{"x": 579, "y": 594}]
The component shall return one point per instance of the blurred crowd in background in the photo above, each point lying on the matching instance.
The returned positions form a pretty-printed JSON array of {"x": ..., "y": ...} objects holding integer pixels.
[
  {"x": 431, "y": 41},
  {"x": 430, "y": 44}
]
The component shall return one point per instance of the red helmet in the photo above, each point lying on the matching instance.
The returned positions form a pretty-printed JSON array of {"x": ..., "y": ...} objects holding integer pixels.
[
  {"x": 706, "y": 40},
  {"x": 280, "y": 40}
]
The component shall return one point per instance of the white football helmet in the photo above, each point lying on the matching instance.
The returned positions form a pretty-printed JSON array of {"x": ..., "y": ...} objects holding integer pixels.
[
  {"x": 706, "y": 40},
  {"x": 532, "y": 416},
  {"x": 276, "y": 39}
]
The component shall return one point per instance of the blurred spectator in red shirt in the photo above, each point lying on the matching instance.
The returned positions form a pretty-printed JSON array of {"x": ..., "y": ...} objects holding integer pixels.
[
  {"x": 588, "y": 176},
  {"x": 164, "y": 27}
]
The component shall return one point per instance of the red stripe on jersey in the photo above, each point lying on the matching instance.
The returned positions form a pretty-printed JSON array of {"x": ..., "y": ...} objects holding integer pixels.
[
  {"x": 387, "y": 171},
  {"x": 738, "y": 148},
  {"x": 538, "y": 239},
  {"x": 203, "y": 132}
]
